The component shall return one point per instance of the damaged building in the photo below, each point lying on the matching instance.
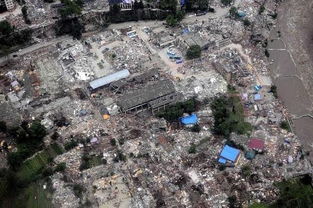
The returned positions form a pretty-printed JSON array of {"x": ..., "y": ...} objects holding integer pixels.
[{"x": 152, "y": 97}]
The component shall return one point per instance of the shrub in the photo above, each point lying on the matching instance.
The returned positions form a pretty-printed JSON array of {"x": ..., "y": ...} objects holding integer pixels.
[
  {"x": 274, "y": 91},
  {"x": 113, "y": 142},
  {"x": 55, "y": 135},
  {"x": 70, "y": 145},
  {"x": 192, "y": 149},
  {"x": 233, "y": 11},
  {"x": 121, "y": 141},
  {"x": 285, "y": 125},
  {"x": 193, "y": 52},
  {"x": 267, "y": 54},
  {"x": 60, "y": 167},
  {"x": 246, "y": 22},
  {"x": 246, "y": 171}
]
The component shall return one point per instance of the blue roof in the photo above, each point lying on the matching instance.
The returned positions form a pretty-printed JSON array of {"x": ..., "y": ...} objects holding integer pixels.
[
  {"x": 192, "y": 119},
  {"x": 257, "y": 97},
  {"x": 230, "y": 153},
  {"x": 109, "y": 79}
]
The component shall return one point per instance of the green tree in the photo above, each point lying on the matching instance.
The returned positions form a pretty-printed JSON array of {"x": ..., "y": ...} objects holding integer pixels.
[
  {"x": 71, "y": 26},
  {"x": 229, "y": 116},
  {"x": 171, "y": 20},
  {"x": 180, "y": 15},
  {"x": 71, "y": 8},
  {"x": 285, "y": 125},
  {"x": 36, "y": 130},
  {"x": 233, "y": 11},
  {"x": 193, "y": 52},
  {"x": 168, "y": 5},
  {"x": 295, "y": 193},
  {"x": 5, "y": 28}
]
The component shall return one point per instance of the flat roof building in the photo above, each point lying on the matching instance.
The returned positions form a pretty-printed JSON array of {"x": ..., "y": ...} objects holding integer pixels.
[
  {"x": 229, "y": 155},
  {"x": 109, "y": 79}
]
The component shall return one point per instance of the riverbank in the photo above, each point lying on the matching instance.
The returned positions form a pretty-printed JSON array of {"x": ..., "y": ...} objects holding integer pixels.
[{"x": 291, "y": 52}]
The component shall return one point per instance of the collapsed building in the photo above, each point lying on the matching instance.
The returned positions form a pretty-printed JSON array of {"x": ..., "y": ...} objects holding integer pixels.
[
  {"x": 190, "y": 39},
  {"x": 154, "y": 97}
]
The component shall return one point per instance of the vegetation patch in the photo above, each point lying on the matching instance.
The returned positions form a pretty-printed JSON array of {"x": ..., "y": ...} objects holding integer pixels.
[
  {"x": 193, "y": 52},
  {"x": 32, "y": 167},
  {"x": 229, "y": 117},
  {"x": 174, "y": 112},
  {"x": 285, "y": 125},
  {"x": 89, "y": 161}
]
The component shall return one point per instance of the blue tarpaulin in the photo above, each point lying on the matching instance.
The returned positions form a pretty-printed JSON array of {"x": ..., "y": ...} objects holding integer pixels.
[
  {"x": 222, "y": 160},
  {"x": 185, "y": 31},
  {"x": 229, "y": 154},
  {"x": 257, "y": 97},
  {"x": 187, "y": 120},
  {"x": 257, "y": 87},
  {"x": 241, "y": 14}
]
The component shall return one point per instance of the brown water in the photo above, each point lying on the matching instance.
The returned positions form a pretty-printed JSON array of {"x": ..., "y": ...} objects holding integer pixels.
[{"x": 292, "y": 56}]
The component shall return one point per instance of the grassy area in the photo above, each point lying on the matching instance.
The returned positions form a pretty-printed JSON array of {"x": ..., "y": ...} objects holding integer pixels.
[
  {"x": 34, "y": 196},
  {"x": 33, "y": 166},
  {"x": 89, "y": 161}
]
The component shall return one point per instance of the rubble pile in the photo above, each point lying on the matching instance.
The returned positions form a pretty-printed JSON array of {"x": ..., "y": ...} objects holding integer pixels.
[{"x": 135, "y": 158}]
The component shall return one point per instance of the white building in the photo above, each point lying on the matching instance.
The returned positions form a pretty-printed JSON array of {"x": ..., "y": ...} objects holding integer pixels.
[{"x": 9, "y": 4}]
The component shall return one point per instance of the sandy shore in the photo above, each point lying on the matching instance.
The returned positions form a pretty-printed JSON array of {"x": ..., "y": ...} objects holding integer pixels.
[{"x": 291, "y": 50}]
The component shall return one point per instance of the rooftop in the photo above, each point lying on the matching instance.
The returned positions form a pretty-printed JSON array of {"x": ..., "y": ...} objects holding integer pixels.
[
  {"x": 109, "y": 79},
  {"x": 256, "y": 144},
  {"x": 144, "y": 95},
  {"x": 229, "y": 154}
]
